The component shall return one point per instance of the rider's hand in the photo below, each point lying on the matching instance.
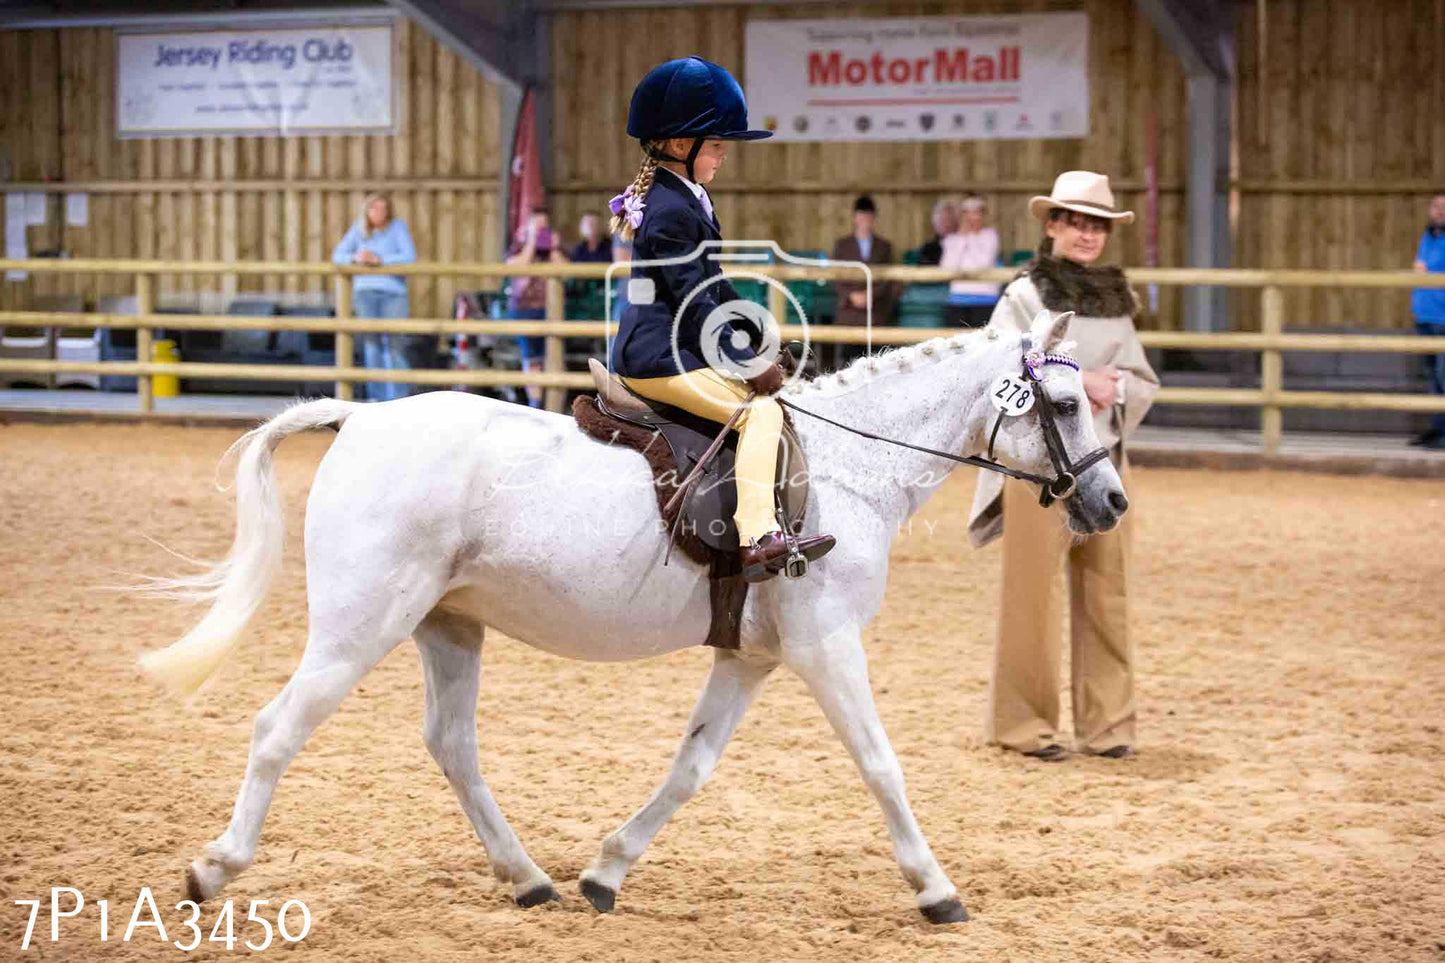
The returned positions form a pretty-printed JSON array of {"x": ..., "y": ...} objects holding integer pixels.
[
  {"x": 1102, "y": 386},
  {"x": 768, "y": 382}
]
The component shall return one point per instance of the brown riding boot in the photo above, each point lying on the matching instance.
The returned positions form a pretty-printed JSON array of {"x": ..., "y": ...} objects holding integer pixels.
[{"x": 763, "y": 558}]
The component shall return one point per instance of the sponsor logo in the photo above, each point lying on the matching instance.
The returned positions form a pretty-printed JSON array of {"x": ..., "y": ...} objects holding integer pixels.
[
  {"x": 800, "y": 124},
  {"x": 770, "y": 123},
  {"x": 863, "y": 123},
  {"x": 958, "y": 122},
  {"x": 925, "y": 121},
  {"x": 990, "y": 120}
]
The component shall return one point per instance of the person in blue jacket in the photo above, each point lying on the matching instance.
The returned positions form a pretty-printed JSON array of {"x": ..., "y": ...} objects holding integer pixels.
[
  {"x": 684, "y": 113},
  {"x": 379, "y": 237},
  {"x": 1428, "y": 306}
]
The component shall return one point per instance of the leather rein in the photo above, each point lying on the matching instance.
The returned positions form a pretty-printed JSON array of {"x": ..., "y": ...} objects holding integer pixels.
[{"x": 1064, "y": 484}]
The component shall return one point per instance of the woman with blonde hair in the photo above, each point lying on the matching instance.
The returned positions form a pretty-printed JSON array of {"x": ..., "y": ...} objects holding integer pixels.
[
  {"x": 1077, "y": 217},
  {"x": 378, "y": 237}
]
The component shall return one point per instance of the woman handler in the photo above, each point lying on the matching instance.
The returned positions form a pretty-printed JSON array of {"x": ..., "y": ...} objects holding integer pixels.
[
  {"x": 684, "y": 112},
  {"x": 1023, "y": 712}
]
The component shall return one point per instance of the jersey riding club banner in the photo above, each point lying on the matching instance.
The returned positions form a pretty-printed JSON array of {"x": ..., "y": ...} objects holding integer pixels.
[
  {"x": 920, "y": 78},
  {"x": 326, "y": 79}
]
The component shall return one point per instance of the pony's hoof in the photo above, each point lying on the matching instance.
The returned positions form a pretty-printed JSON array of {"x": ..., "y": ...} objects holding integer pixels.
[
  {"x": 601, "y": 897},
  {"x": 194, "y": 892},
  {"x": 538, "y": 895},
  {"x": 946, "y": 911}
]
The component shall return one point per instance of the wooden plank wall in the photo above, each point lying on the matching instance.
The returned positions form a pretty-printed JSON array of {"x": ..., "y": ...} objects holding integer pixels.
[
  {"x": 801, "y": 194},
  {"x": 57, "y": 122},
  {"x": 1341, "y": 144}
]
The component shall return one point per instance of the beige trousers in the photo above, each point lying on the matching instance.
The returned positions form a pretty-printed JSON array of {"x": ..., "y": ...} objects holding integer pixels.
[
  {"x": 709, "y": 395},
  {"x": 1023, "y": 705}
]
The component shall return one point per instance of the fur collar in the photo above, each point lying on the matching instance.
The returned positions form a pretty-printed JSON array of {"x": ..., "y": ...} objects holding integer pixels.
[{"x": 1094, "y": 292}]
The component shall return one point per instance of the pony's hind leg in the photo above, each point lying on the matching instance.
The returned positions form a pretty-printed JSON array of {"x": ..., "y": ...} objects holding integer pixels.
[
  {"x": 731, "y": 686},
  {"x": 451, "y": 645},
  {"x": 354, "y": 624},
  {"x": 282, "y": 727}
]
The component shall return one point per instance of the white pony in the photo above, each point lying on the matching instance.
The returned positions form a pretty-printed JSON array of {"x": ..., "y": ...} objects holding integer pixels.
[{"x": 438, "y": 515}]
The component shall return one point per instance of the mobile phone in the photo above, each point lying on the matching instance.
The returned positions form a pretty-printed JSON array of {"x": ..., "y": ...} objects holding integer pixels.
[{"x": 544, "y": 239}]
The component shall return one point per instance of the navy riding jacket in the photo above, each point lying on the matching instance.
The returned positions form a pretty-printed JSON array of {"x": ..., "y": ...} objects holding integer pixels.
[{"x": 674, "y": 223}]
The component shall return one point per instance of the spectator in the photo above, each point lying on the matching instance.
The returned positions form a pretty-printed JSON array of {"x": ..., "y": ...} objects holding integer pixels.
[
  {"x": 593, "y": 246},
  {"x": 535, "y": 244},
  {"x": 945, "y": 222},
  {"x": 973, "y": 247},
  {"x": 1428, "y": 305},
  {"x": 379, "y": 237},
  {"x": 870, "y": 248},
  {"x": 1023, "y": 707}
]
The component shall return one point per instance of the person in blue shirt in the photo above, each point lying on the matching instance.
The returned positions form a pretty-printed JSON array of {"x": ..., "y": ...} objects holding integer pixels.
[
  {"x": 1428, "y": 305},
  {"x": 379, "y": 237},
  {"x": 684, "y": 113}
]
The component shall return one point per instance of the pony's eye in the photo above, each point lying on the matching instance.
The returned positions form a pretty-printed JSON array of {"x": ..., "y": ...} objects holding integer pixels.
[{"x": 1067, "y": 408}]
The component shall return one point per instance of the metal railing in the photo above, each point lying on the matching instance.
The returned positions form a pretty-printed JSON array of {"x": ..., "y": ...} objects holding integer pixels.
[{"x": 1270, "y": 397}]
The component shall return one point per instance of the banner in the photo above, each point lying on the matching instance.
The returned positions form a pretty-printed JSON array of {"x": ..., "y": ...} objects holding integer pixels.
[
  {"x": 331, "y": 79},
  {"x": 920, "y": 78}
]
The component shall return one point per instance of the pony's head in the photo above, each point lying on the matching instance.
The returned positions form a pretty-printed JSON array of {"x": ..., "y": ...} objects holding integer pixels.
[{"x": 1039, "y": 421}]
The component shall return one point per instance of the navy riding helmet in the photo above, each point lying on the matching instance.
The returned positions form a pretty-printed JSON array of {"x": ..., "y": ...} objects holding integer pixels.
[{"x": 691, "y": 97}]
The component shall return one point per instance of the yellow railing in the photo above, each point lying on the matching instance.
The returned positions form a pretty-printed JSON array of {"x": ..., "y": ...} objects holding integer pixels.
[{"x": 1270, "y": 397}]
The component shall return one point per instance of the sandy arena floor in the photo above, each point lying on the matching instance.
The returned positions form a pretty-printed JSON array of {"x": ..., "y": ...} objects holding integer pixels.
[{"x": 1288, "y": 802}]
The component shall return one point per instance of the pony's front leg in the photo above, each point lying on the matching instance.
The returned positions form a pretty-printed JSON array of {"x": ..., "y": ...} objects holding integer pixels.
[
  {"x": 836, "y": 671},
  {"x": 731, "y": 686}
]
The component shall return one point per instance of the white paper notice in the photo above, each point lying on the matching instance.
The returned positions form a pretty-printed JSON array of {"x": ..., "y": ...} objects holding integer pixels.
[
  {"x": 15, "y": 232},
  {"x": 77, "y": 209},
  {"x": 35, "y": 208}
]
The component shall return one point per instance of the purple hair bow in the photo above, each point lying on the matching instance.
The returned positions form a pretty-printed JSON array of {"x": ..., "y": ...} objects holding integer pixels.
[{"x": 632, "y": 204}]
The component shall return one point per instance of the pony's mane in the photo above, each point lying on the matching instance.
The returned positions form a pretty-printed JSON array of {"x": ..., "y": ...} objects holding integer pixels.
[{"x": 866, "y": 369}]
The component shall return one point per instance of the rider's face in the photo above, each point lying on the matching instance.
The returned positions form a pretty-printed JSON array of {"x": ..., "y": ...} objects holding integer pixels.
[{"x": 709, "y": 157}]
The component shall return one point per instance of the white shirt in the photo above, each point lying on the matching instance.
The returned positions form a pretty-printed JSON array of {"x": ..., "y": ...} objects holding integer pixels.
[
  {"x": 865, "y": 247},
  {"x": 971, "y": 252},
  {"x": 697, "y": 189}
]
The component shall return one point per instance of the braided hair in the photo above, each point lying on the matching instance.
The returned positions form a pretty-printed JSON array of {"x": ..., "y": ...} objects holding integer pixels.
[{"x": 640, "y": 185}]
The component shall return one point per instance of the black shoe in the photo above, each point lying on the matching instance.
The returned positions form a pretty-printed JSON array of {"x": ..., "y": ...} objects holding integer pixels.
[
  {"x": 1427, "y": 437},
  {"x": 1117, "y": 752},
  {"x": 1435, "y": 444},
  {"x": 1053, "y": 752},
  {"x": 765, "y": 557}
]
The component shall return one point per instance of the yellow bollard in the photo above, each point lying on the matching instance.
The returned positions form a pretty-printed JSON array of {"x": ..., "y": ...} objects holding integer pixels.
[{"x": 164, "y": 352}]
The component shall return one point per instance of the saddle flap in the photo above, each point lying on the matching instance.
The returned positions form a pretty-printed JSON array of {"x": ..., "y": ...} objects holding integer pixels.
[{"x": 614, "y": 393}]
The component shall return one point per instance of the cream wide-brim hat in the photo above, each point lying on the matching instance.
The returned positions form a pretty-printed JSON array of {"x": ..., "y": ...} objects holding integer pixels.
[{"x": 1082, "y": 191}]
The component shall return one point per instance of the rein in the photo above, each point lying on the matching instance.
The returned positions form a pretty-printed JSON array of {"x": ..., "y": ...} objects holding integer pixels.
[{"x": 1065, "y": 481}]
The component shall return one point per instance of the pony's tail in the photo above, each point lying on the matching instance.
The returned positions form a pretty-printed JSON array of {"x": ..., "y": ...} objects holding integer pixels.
[{"x": 239, "y": 582}]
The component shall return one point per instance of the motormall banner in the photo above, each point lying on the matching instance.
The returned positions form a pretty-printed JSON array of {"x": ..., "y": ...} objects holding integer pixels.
[
  {"x": 920, "y": 78},
  {"x": 328, "y": 79}
]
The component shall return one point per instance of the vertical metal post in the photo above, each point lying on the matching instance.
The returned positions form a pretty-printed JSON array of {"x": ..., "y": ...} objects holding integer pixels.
[
  {"x": 1271, "y": 369},
  {"x": 554, "y": 360},
  {"x": 344, "y": 349},
  {"x": 145, "y": 304}
]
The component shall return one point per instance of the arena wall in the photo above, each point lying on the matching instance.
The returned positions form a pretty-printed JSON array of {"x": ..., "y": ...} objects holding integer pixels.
[
  {"x": 245, "y": 198},
  {"x": 1339, "y": 149}
]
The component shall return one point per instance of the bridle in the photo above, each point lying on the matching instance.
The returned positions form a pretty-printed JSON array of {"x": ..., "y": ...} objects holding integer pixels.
[
  {"x": 1066, "y": 473},
  {"x": 1065, "y": 482}
]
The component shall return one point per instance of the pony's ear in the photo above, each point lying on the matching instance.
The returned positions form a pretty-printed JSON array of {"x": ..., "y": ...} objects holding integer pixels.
[{"x": 1048, "y": 331}]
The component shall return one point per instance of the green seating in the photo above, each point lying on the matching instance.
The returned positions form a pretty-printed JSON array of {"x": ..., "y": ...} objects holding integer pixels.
[{"x": 922, "y": 306}]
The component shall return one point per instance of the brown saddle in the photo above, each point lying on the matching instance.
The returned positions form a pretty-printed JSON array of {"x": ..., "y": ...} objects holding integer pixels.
[{"x": 673, "y": 441}]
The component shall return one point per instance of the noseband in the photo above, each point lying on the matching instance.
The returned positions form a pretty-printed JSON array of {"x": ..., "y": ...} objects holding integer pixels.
[
  {"x": 1065, "y": 482},
  {"x": 1066, "y": 473}
]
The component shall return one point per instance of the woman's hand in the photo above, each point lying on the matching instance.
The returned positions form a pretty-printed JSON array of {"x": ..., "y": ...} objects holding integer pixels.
[
  {"x": 1102, "y": 386},
  {"x": 368, "y": 258},
  {"x": 858, "y": 299},
  {"x": 769, "y": 382}
]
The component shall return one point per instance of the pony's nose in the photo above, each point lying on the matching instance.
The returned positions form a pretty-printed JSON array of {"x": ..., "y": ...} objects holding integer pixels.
[{"x": 1118, "y": 501}]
